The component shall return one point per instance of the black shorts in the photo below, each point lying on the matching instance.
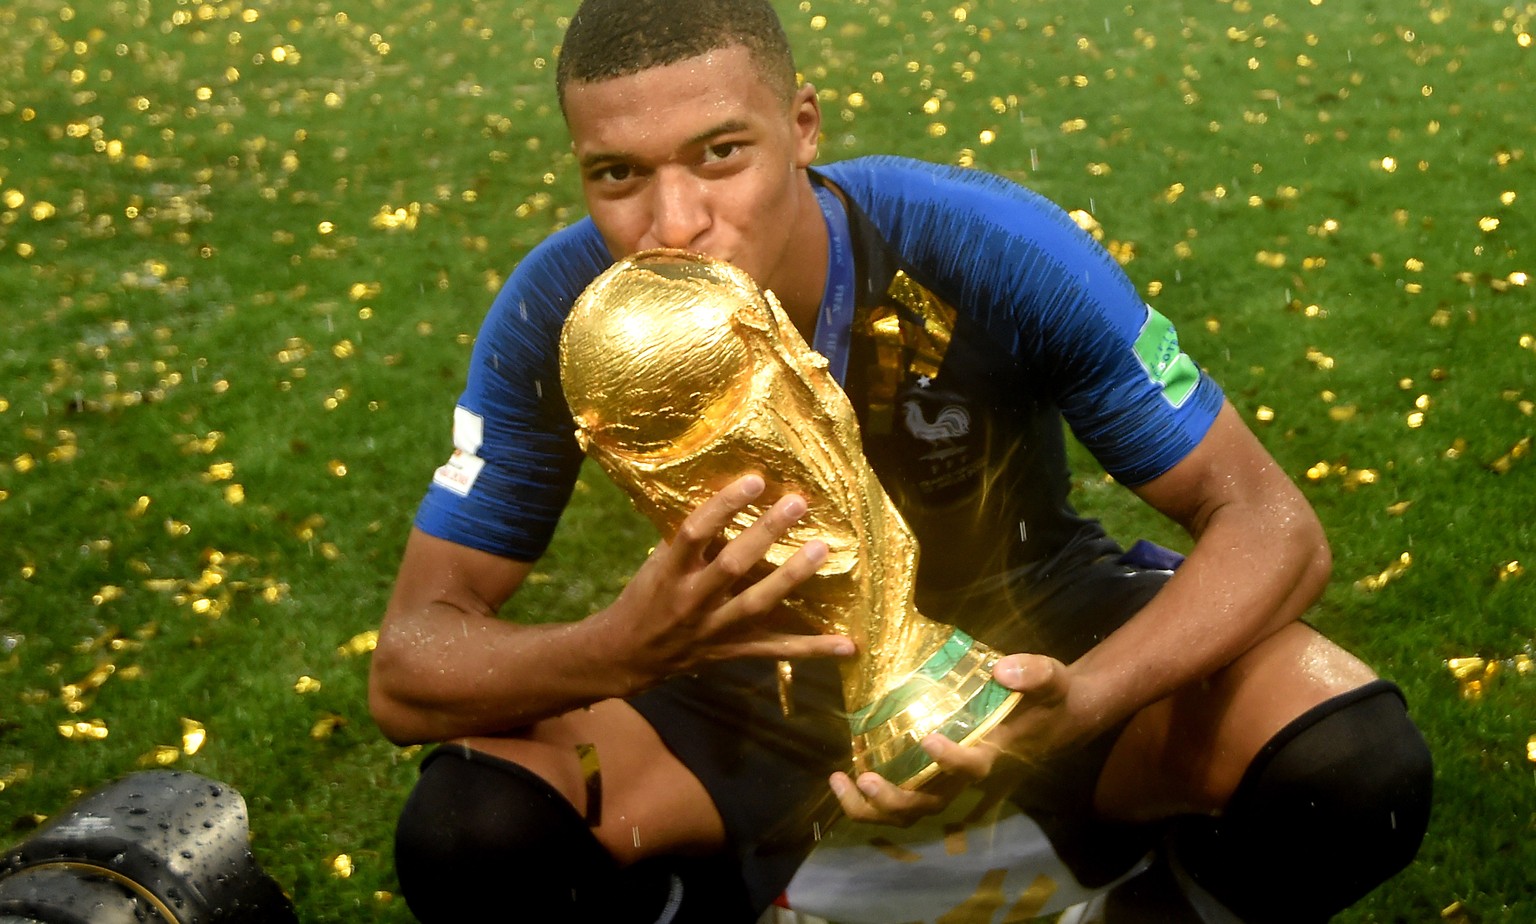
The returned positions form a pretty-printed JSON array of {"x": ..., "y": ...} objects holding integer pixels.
[{"x": 767, "y": 773}]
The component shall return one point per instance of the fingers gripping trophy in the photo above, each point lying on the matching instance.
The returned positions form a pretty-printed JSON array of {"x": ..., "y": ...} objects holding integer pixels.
[{"x": 681, "y": 374}]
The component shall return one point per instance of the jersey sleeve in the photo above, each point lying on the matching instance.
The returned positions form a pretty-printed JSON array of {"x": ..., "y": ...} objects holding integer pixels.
[
  {"x": 514, "y": 459},
  {"x": 1048, "y": 293}
]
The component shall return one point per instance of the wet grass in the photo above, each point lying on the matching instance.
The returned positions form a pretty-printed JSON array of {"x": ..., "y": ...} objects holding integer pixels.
[{"x": 244, "y": 248}]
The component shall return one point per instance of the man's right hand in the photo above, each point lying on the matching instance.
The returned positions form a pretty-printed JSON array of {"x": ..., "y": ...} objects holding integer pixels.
[
  {"x": 448, "y": 666},
  {"x": 691, "y": 602}
]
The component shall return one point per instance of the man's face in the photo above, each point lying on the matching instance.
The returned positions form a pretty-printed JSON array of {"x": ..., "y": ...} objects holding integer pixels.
[{"x": 701, "y": 155}]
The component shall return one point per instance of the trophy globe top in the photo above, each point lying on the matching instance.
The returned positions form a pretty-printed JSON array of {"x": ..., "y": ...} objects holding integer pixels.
[{"x": 652, "y": 360}]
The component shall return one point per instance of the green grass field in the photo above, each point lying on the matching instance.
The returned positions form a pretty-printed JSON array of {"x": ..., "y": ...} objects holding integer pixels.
[{"x": 245, "y": 244}]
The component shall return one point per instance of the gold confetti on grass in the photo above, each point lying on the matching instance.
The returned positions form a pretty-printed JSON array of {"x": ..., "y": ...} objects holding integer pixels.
[
  {"x": 84, "y": 730},
  {"x": 1350, "y": 478},
  {"x": 13, "y": 776},
  {"x": 327, "y": 725},
  {"x": 193, "y": 736},
  {"x": 1387, "y": 575},
  {"x": 163, "y": 755},
  {"x": 160, "y": 145},
  {"x": 1475, "y": 674},
  {"x": 1504, "y": 463},
  {"x": 359, "y": 644},
  {"x": 1455, "y": 912}
]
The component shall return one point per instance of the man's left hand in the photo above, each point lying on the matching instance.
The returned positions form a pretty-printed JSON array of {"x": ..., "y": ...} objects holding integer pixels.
[{"x": 1039, "y": 724}]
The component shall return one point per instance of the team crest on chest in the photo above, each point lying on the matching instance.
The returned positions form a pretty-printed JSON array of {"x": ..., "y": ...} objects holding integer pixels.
[
  {"x": 934, "y": 437},
  {"x": 942, "y": 441},
  {"x": 951, "y": 423}
]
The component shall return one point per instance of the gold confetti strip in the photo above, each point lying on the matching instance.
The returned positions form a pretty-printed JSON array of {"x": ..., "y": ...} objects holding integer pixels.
[
  {"x": 1348, "y": 477},
  {"x": 359, "y": 644},
  {"x": 954, "y": 839},
  {"x": 97, "y": 643},
  {"x": 310, "y": 527},
  {"x": 77, "y": 696},
  {"x": 193, "y": 736},
  {"x": 894, "y": 850},
  {"x": 306, "y": 684},
  {"x": 1088, "y": 223},
  {"x": 1389, "y": 574},
  {"x": 1033, "y": 899},
  {"x": 592, "y": 781},
  {"x": 1504, "y": 463},
  {"x": 84, "y": 730},
  {"x": 162, "y": 756},
  {"x": 786, "y": 680},
  {"x": 1475, "y": 674},
  {"x": 11, "y": 777},
  {"x": 341, "y": 866},
  {"x": 1474, "y": 683},
  {"x": 390, "y": 218},
  {"x": 326, "y": 726},
  {"x": 1464, "y": 668}
]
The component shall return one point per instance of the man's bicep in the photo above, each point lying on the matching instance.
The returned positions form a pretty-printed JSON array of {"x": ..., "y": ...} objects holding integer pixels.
[
  {"x": 1228, "y": 466},
  {"x": 437, "y": 571}
]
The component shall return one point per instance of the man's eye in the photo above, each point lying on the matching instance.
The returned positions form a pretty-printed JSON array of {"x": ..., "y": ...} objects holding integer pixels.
[
  {"x": 613, "y": 173},
  {"x": 718, "y": 152}
]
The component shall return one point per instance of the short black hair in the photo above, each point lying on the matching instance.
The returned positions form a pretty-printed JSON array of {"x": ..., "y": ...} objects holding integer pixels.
[{"x": 615, "y": 38}]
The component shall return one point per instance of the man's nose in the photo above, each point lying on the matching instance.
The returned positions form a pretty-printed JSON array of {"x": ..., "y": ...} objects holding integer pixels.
[{"x": 679, "y": 210}]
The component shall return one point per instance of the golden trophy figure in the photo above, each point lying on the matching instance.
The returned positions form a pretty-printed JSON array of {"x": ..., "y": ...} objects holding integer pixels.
[{"x": 681, "y": 374}]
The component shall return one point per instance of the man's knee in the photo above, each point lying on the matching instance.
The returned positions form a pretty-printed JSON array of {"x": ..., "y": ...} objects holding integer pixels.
[
  {"x": 478, "y": 832},
  {"x": 1334, "y": 805}
]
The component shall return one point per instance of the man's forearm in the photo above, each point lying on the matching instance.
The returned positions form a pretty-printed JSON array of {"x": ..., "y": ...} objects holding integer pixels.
[
  {"x": 448, "y": 674},
  {"x": 446, "y": 666},
  {"x": 1241, "y": 583}
]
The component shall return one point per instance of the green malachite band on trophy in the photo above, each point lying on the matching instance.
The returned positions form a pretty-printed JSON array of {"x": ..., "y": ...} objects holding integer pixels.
[
  {"x": 912, "y": 761},
  {"x": 918, "y": 685},
  {"x": 956, "y": 682}
]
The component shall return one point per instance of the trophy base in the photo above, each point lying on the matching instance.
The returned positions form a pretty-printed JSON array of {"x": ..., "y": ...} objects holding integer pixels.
[{"x": 952, "y": 693}]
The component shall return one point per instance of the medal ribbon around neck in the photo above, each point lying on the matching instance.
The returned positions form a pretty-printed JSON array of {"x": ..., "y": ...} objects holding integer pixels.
[{"x": 834, "y": 322}]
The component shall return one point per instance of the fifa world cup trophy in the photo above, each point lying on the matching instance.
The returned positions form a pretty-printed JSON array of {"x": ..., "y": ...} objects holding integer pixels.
[{"x": 682, "y": 374}]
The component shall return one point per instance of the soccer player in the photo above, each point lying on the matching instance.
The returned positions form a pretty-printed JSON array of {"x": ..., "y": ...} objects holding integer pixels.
[{"x": 636, "y": 766}]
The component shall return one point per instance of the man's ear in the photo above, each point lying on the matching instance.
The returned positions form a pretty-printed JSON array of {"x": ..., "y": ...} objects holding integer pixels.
[{"x": 805, "y": 111}]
